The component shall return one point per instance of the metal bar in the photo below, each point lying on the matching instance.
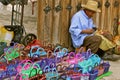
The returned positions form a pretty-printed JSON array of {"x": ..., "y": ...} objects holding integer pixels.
[
  {"x": 12, "y": 15},
  {"x": 17, "y": 12},
  {"x": 16, "y": 21},
  {"x": 22, "y": 12}
]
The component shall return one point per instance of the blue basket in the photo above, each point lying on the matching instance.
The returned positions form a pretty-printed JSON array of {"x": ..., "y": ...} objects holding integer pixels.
[
  {"x": 106, "y": 66},
  {"x": 93, "y": 74}
]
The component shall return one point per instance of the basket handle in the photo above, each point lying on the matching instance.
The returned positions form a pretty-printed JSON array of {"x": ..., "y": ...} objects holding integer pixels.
[
  {"x": 46, "y": 69},
  {"x": 80, "y": 50},
  {"x": 89, "y": 51},
  {"x": 22, "y": 62},
  {"x": 26, "y": 66},
  {"x": 32, "y": 48},
  {"x": 61, "y": 67},
  {"x": 21, "y": 75},
  {"x": 71, "y": 54},
  {"x": 57, "y": 48},
  {"x": 49, "y": 54},
  {"x": 10, "y": 50},
  {"x": 78, "y": 55},
  {"x": 30, "y": 75},
  {"x": 50, "y": 46},
  {"x": 44, "y": 62},
  {"x": 52, "y": 64},
  {"x": 36, "y": 65},
  {"x": 65, "y": 51},
  {"x": 19, "y": 46},
  {"x": 41, "y": 51}
]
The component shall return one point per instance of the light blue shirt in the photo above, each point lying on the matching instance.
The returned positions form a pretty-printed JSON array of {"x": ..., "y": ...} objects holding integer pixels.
[{"x": 80, "y": 21}]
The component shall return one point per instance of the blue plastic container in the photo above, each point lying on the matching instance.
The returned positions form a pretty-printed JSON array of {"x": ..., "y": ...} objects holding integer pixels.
[
  {"x": 93, "y": 74},
  {"x": 106, "y": 66}
]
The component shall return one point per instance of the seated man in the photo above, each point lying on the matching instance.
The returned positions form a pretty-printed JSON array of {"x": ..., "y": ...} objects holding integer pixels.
[{"x": 82, "y": 28}]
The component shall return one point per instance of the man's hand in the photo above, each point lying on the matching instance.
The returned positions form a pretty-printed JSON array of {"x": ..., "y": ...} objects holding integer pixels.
[{"x": 88, "y": 31}]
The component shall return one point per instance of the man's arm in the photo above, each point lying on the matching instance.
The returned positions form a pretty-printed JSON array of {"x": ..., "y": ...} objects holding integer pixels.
[{"x": 87, "y": 31}]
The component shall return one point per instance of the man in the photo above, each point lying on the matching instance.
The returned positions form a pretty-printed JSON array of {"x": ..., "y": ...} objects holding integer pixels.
[{"x": 82, "y": 28}]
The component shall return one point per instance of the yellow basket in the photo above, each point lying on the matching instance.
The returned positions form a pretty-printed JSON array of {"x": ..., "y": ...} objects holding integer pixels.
[{"x": 5, "y": 35}]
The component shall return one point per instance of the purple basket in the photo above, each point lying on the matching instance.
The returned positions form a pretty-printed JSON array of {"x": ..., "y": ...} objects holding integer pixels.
[
  {"x": 106, "y": 66},
  {"x": 86, "y": 54},
  {"x": 75, "y": 77},
  {"x": 43, "y": 63},
  {"x": 93, "y": 74}
]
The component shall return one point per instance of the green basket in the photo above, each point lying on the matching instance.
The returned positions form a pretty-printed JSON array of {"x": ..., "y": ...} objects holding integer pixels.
[
  {"x": 31, "y": 71},
  {"x": 11, "y": 53}
]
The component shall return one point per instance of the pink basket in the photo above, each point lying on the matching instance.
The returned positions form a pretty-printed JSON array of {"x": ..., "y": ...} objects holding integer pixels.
[
  {"x": 100, "y": 69},
  {"x": 20, "y": 65},
  {"x": 75, "y": 76},
  {"x": 74, "y": 58}
]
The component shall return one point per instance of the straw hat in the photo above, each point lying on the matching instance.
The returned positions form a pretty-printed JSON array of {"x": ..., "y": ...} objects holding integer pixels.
[{"x": 91, "y": 5}]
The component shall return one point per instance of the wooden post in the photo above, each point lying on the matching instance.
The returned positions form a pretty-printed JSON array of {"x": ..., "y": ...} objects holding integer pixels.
[
  {"x": 64, "y": 23},
  {"x": 56, "y": 22},
  {"x": 40, "y": 20}
]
